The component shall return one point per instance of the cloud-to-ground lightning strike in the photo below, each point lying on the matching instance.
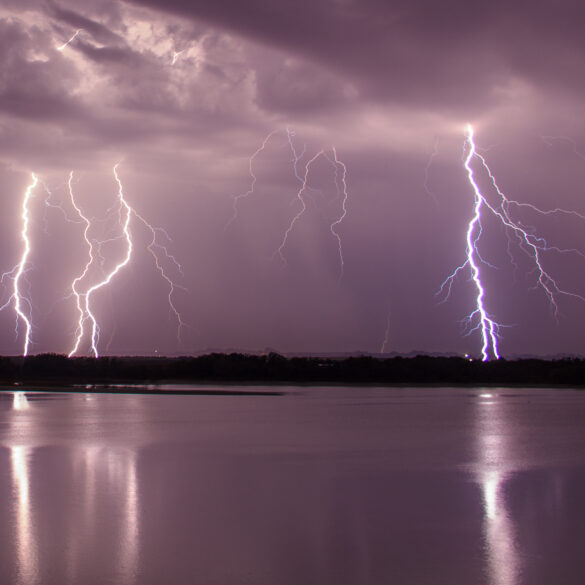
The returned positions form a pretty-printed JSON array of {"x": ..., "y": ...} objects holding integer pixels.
[
  {"x": 529, "y": 243},
  {"x": 18, "y": 271},
  {"x": 83, "y": 316},
  {"x": 488, "y": 327},
  {"x": 125, "y": 213},
  {"x": 151, "y": 248},
  {"x": 83, "y": 299},
  {"x": 479, "y": 318},
  {"x": 67, "y": 43},
  {"x": 385, "y": 343}
]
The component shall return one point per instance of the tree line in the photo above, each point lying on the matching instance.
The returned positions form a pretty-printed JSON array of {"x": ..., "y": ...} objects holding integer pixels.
[{"x": 273, "y": 368}]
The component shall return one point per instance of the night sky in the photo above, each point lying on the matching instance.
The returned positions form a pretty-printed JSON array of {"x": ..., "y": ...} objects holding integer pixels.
[{"x": 214, "y": 108}]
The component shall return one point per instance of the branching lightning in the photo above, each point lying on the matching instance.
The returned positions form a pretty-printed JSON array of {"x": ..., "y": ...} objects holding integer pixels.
[
  {"x": 340, "y": 181},
  {"x": 124, "y": 213},
  {"x": 532, "y": 245},
  {"x": 151, "y": 248},
  {"x": 548, "y": 140},
  {"x": 290, "y": 134},
  {"x": 487, "y": 327},
  {"x": 79, "y": 299},
  {"x": 22, "y": 305}
]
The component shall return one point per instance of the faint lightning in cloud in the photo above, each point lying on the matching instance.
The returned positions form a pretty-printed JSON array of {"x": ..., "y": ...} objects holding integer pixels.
[
  {"x": 176, "y": 55},
  {"x": 548, "y": 140},
  {"x": 67, "y": 43},
  {"x": 22, "y": 305}
]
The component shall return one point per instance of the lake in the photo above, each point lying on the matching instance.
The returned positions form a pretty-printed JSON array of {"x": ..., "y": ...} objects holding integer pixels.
[{"x": 316, "y": 486}]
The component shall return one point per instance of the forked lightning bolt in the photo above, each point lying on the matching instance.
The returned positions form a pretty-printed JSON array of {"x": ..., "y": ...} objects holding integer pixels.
[
  {"x": 20, "y": 302},
  {"x": 79, "y": 298},
  {"x": 151, "y": 248},
  {"x": 124, "y": 211},
  {"x": 488, "y": 328},
  {"x": 83, "y": 299},
  {"x": 290, "y": 134},
  {"x": 302, "y": 192},
  {"x": 529, "y": 243},
  {"x": 340, "y": 185}
]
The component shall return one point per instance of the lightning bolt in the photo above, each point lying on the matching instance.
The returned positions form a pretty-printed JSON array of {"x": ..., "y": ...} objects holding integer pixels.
[
  {"x": 548, "y": 140},
  {"x": 386, "y": 335},
  {"x": 151, "y": 248},
  {"x": 300, "y": 197},
  {"x": 250, "y": 191},
  {"x": 16, "y": 274},
  {"x": 290, "y": 134},
  {"x": 333, "y": 227},
  {"x": 529, "y": 243},
  {"x": 67, "y": 43},
  {"x": 83, "y": 315},
  {"x": 124, "y": 213},
  {"x": 487, "y": 327},
  {"x": 304, "y": 188}
]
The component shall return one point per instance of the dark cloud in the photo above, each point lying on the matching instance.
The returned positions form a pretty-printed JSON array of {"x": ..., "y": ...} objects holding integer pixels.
[
  {"x": 96, "y": 29},
  {"x": 293, "y": 87},
  {"x": 451, "y": 53},
  {"x": 31, "y": 87},
  {"x": 111, "y": 56}
]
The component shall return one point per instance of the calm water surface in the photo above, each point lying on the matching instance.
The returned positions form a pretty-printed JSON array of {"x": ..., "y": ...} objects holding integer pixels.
[{"x": 319, "y": 486}]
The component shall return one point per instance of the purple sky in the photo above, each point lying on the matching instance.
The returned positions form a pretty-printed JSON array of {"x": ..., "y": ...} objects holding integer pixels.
[{"x": 182, "y": 94}]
